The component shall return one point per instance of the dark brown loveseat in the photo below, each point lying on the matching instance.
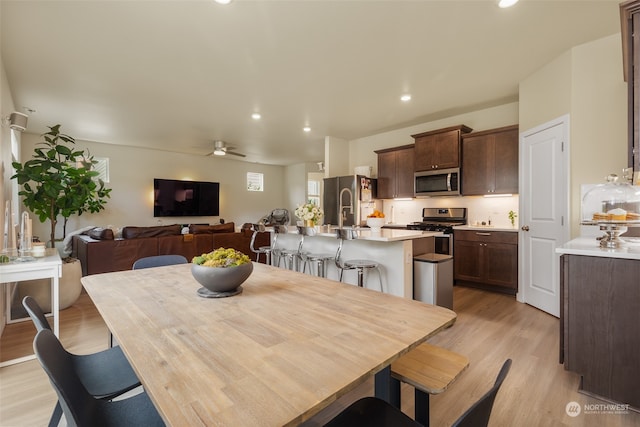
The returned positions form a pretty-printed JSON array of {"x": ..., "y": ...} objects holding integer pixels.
[{"x": 99, "y": 252}]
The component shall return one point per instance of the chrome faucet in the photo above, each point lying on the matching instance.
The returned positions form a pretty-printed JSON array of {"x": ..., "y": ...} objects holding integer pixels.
[{"x": 341, "y": 216}]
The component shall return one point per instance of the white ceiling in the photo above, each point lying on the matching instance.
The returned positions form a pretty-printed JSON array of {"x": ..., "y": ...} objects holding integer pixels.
[{"x": 177, "y": 75}]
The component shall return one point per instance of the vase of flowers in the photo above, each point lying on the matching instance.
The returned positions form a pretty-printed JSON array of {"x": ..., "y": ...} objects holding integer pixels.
[{"x": 309, "y": 213}]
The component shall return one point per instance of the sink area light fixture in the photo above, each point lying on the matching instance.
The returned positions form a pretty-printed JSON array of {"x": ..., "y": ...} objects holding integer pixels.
[
  {"x": 405, "y": 98},
  {"x": 506, "y": 3},
  {"x": 306, "y": 129},
  {"x": 256, "y": 116}
]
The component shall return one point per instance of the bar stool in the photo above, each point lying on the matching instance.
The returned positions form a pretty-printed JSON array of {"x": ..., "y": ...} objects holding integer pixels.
[
  {"x": 266, "y": 250},
  {"x": 354, "y": 264},
  {"x": 430, "y": 370},
  {"x": 289, "y": 256},
  {"x": 306, "y": 258}
]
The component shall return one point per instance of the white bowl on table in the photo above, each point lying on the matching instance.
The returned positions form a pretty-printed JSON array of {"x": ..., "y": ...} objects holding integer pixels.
[{"x": 375, "y": 224}]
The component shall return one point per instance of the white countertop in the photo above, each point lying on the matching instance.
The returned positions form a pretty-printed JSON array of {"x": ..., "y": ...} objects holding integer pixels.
[
  {"x": 387, "y": 234},
  {"x": 485, "y": 228},
  {"x": 589, "y": 246}
]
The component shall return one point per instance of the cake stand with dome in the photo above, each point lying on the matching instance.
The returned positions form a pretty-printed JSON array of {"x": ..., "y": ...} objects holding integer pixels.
[{"x": 614, "y": 207}]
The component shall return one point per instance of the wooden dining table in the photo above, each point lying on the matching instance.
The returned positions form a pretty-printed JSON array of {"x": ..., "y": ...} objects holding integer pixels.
[{"x": 274, "y": 355}]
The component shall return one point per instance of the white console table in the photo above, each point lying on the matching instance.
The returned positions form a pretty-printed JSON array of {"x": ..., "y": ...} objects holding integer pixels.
[{"x": 47, "y": 267}]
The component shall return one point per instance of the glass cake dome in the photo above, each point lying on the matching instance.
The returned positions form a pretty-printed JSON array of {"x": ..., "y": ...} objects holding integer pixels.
[
  {"x": 614, "y": 207},
  {"x": 613, "y": 202}
]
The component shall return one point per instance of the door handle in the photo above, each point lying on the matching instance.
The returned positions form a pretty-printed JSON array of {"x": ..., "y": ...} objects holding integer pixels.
[{"x": 525, "y": 228}]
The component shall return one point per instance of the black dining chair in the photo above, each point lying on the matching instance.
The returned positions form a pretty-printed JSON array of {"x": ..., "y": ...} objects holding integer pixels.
[
  {"x": 375, "y": 412},
  {"x": 80, "y": 408},
  {"x": 105, "y": 375},
  {"x": 159, "y": 261}
]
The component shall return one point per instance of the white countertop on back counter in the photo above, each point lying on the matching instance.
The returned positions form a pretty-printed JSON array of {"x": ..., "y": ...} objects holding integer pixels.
[
  {"x": 485, "y": 228},
  {"x": 589, "y": 246},
  {"x": 386, "y": 234}
]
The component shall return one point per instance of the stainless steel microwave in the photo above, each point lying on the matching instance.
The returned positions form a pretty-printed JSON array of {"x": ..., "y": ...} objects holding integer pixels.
[{"x": 443, "y": 182}]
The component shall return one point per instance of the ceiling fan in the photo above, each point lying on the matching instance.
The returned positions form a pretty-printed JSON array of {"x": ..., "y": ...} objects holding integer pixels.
[{"x": 220, "y": 148}]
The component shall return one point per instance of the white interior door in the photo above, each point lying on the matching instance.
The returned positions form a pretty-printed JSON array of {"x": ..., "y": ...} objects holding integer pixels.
[{"x": 543, "y": 212}]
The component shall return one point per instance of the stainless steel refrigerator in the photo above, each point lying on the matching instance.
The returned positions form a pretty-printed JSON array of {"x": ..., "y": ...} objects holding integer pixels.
[{"x": 361, "y": 195}]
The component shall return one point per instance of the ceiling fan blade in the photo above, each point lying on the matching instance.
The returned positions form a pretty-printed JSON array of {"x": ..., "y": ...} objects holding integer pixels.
[{"x": 235, "y": 154}]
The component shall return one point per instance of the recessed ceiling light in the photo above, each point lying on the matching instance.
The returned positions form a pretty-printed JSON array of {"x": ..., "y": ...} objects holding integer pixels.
[
  {"x": 405, "y": 98},
  {"x": 256, "y": 116},
  {"x": 506, "y": 3},
  {"x": 306, "y": 129},
  {"x": 223, "y": 1}
]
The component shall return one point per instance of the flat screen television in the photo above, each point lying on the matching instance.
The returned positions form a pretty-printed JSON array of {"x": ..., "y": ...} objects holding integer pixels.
[{"x": 172, "y": 197}]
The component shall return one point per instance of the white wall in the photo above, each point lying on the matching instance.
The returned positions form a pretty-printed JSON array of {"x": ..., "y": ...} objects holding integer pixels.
[
  {"x": 6, "y": 108},
  {"x": 132, "y": 171},
  {"x": 403, "y": 212},
  {"x": 586, "y": 83},
  {"x": 295, "y": 188},
  {"x": 361, "y": 151}
]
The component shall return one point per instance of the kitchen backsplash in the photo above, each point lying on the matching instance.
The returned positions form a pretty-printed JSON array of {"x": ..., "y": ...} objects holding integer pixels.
[{"x": 478, "y": 209}]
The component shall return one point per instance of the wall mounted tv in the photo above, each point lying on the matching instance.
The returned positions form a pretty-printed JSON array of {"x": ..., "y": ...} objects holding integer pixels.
[{"x": 172, "y": 197}]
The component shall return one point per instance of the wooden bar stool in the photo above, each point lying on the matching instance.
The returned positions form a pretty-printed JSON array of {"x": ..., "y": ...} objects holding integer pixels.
[{"x": 430, "y": 370}]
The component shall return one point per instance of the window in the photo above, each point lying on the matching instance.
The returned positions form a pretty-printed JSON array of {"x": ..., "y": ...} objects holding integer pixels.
[
  {"x": 255, "y": 181},
  {"x": 101, "y": 166},
  {"x": 313, "y": 191}
]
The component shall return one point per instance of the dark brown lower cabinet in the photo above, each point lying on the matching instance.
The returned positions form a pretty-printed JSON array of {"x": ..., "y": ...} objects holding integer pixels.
[
  {"x": 600, "y": 325},
  {"x": 487, "y": 259}
]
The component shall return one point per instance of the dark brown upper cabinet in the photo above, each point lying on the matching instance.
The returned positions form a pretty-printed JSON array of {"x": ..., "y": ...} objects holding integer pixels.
[
  {"x": 395, "y": 172},
  {"x": 630, "y": 22},
  {"x": 490, "y": 162},
  {"x": 439, "y": 149}
]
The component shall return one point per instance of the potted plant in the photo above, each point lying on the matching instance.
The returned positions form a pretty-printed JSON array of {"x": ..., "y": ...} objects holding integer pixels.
[
  {"x": 58, "y": 182},
  {"x": 221, "y": 272}
]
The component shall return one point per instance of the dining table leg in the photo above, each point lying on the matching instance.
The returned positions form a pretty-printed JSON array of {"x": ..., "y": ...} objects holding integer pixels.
[{"x": 386, "y": 387}]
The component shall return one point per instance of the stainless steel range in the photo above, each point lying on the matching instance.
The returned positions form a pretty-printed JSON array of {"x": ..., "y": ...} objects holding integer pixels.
[{"x": 443, "y": 220}]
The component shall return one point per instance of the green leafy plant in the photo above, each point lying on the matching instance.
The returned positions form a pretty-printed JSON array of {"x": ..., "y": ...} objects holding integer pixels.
[
  {"x": 222, "y": 257},
  {"x": 512, "y": 218},
  {"x": 58, "y": 181}
]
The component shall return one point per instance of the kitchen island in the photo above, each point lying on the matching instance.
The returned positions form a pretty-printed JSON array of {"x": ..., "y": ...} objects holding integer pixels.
[
  {"x": 393, "y": 249},
  {"x": 599, "y": 314}
]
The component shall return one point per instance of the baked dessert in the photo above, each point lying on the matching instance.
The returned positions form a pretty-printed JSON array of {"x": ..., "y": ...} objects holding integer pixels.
[
  {"x": 601, "y": 216},
  {"x": 632, "y": 216},
  {"x": 618, "y": 214}
]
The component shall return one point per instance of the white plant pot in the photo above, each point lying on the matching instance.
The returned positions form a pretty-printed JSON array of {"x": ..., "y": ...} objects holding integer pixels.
[{"x": 70, "y": 287}]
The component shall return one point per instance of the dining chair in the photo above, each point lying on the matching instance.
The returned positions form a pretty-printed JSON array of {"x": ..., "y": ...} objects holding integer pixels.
[
  {"x": 375, "y": 412},
  {"x": 80, "y": 408},
  {"x": 159, "y": 261},
  {"x": 105, "y": 375}
]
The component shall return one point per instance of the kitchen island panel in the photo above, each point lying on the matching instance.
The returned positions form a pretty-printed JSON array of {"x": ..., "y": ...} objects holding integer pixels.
[
  {"x": 601, "y": 311},
  {"x": 393, "y": 249}
]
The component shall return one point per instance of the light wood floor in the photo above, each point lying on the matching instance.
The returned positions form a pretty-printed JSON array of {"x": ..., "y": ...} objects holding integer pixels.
[{"x": 490, "y": 328}]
